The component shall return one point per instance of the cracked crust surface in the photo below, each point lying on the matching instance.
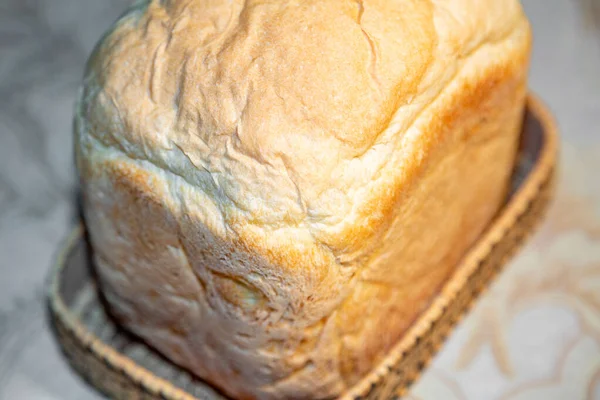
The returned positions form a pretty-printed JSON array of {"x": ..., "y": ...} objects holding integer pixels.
[{"x": 275, "y": 189}]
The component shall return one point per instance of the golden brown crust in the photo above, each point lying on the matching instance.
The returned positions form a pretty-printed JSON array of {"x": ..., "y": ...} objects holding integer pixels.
[
  {"x": 434, "y": 221},
  {"x": 278, "y": 188}
]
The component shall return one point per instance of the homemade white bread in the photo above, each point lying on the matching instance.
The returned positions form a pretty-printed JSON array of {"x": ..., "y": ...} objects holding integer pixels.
[{"x": 274, "y": 190}]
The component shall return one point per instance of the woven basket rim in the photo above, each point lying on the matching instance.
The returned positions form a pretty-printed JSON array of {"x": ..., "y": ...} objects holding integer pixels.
[{"x": 509, "y": 216}]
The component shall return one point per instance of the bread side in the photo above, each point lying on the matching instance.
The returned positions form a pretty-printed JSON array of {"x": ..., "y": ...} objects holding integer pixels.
[{"x": 277, "y": 236}]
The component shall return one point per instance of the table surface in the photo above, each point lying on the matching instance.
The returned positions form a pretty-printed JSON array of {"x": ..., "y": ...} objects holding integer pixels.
[{"x": 534, "y": 335}]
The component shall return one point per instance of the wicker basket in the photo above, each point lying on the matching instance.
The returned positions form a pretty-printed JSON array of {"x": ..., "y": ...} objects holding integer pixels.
[{"x": 123, "y": 367}]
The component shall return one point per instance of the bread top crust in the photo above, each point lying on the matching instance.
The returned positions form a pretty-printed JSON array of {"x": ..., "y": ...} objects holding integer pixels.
[{"x": 291, "y": 117}]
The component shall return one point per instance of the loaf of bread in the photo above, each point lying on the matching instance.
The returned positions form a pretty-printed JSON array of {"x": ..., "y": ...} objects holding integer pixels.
[{"x": 274, "y": 190}]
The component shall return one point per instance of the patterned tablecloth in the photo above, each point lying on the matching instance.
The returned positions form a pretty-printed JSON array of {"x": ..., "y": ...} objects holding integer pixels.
[{"x": 534, "y": 335}]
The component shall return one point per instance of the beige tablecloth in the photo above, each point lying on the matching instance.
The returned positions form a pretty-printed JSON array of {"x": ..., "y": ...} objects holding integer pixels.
[{"x": 534, "y": 335}]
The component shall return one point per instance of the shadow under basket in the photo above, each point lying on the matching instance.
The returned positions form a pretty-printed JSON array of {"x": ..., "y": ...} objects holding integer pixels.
[{"x": 123, "y": 367}]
